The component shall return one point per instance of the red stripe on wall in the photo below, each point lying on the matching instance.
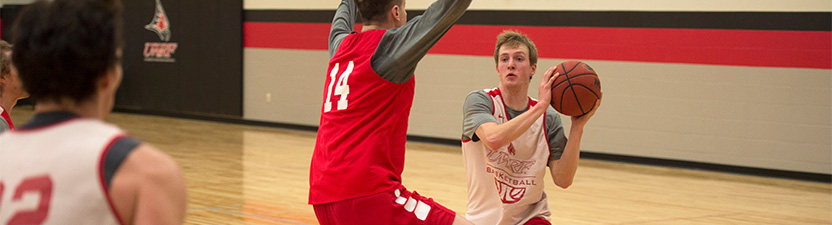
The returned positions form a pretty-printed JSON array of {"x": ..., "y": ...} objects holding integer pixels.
[
  {"x": 763, "y": 48},
  {"x": 311, "y": 36}
]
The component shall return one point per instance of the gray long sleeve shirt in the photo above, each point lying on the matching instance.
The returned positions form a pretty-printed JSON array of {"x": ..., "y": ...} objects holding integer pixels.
[{"x": 400, "y": 49}]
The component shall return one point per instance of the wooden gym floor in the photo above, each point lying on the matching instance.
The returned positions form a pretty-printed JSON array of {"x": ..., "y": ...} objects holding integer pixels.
[{"x": 239, "y": 174}]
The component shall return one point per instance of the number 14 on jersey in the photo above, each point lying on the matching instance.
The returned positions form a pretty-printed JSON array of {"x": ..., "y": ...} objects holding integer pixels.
[{"x": 341, "y": 87}]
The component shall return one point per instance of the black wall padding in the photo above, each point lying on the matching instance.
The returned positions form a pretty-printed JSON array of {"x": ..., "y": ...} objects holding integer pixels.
[{"x": 203, "y": 75}]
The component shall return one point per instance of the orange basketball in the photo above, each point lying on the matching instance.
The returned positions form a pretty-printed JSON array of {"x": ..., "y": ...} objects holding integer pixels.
[{"x": 576, "y": 90}]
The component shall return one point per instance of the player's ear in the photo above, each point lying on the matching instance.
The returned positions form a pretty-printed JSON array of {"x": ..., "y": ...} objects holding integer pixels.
[
  {"x": 4, "y": 79},
  {"x": 394, "y": 12},
  {"x": 534, "y": 69},
  {"x": 110, "y": 80},
  {"x": 105, "y": 81}
]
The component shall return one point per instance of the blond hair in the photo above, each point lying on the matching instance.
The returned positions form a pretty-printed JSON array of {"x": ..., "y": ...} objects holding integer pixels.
[{"x": 512, "y": 38}]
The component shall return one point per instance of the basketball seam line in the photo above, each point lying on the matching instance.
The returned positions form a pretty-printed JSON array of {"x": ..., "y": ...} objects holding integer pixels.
[
  {"x": 574, "y": 94},
  {"x": 588, "y": 89},
  {"x": 579, "y": 75},
  {"x": 564, "y": 89}
]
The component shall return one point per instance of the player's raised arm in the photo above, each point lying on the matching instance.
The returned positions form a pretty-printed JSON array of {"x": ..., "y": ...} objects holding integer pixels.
[
  {"x": 496, "y": 135},
  {"x": 342, "y": 24},
  {"x": 402, "y": 48},
  {"x": 563, "y": 170}
]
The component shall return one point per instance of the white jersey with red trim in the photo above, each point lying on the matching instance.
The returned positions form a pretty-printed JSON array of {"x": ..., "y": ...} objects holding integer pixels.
[
  {"x": 53, "y": 174},
  {"x": 506, "y": 186}
]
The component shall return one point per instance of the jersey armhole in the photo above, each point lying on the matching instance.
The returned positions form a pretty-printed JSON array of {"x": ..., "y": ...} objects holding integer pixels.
[
  {"x": 111, "y": 158},
  {"x": 114, "y": 156}
]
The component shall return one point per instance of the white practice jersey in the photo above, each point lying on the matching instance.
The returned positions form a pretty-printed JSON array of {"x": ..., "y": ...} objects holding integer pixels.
[
  {"x": 506, "y": 186},
  {"x": 53, "y": 174}
]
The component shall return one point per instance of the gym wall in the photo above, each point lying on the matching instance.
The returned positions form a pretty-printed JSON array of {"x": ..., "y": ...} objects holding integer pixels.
[
  {"x": 743, "y": 83},
  {"x": 194, "y": 69},
  {"x": 183, "y": 57}
]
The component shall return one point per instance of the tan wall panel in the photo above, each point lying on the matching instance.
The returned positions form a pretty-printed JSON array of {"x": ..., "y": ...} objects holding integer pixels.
[
  {"x": 773, "y": 118},
  {"x": 442, "y": 82},
  {"x": 746, "y": 116},
  {"x": 592, "y": 5},
  {"x": 294, "y": 80}
]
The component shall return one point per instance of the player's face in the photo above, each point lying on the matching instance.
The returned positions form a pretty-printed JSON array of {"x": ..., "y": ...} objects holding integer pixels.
[{"x": 513, "y": 65}]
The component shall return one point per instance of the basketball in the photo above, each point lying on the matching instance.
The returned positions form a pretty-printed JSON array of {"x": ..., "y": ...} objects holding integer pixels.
[{"x": 576, "y": 89}]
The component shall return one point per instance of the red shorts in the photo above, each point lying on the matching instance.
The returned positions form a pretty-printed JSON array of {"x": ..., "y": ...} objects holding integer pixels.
[
  {"x": 390, "y": 207},
  {"x": 538, "y": 221}
]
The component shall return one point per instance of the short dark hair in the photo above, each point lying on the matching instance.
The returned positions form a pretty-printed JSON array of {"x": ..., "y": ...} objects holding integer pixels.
[
  {"x": 375, "y": 10},
  {"x": 62, "y": 47}
]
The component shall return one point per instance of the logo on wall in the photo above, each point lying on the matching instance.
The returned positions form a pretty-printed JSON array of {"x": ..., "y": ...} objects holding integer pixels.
[{"x": 160, "y": 51}]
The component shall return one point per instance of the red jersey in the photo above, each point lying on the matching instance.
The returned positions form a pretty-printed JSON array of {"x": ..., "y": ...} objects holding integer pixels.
[{"x": 361, "y": 139}]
